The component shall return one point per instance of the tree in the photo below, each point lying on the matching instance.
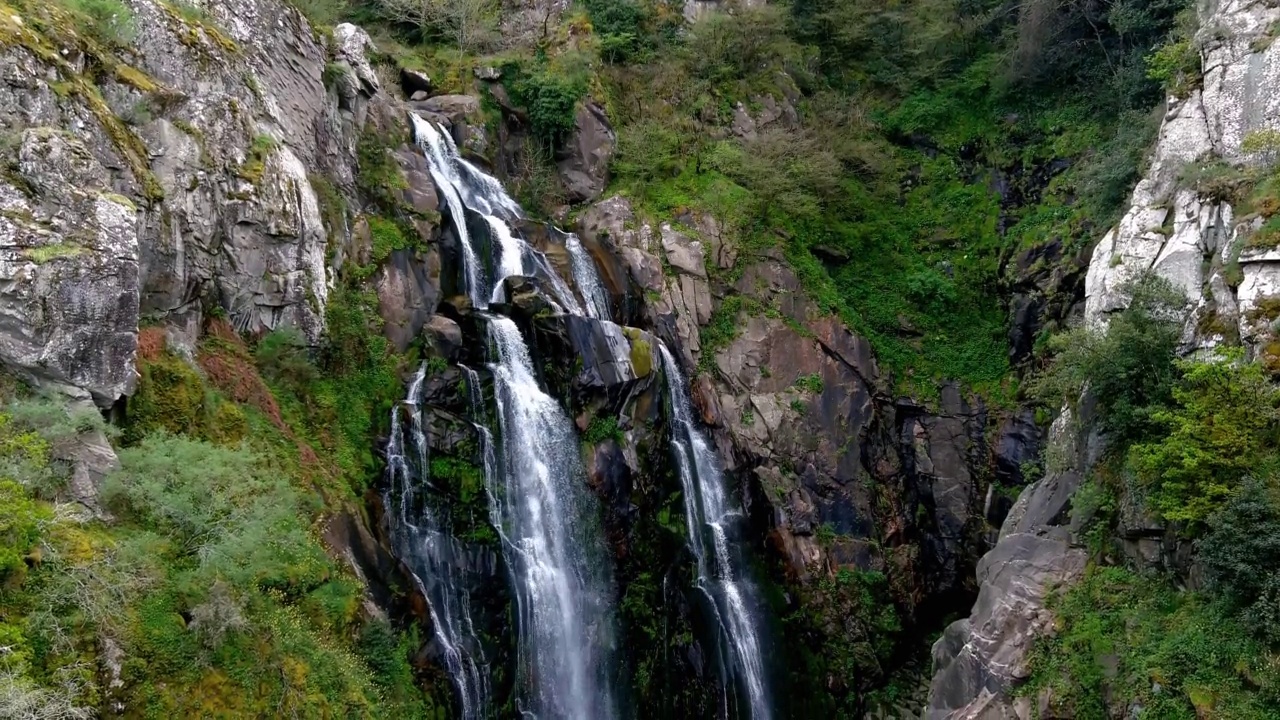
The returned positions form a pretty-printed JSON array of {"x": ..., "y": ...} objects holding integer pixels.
[
  {"x": 1129, "y": 367},
  {"x": 1241, "y": 555},
  {"x": 469, "y": 23},
  {"x": 1221, "y": 425}
]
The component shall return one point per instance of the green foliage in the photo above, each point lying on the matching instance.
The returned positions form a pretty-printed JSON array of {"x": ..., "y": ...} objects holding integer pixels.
[
  {"x": 358, "y": 383},
  {"x": 620, "y": 25},
  {"x": 1178, "y": 655},
  {"x": 721, "y": 330},
  {"x": 377, "y": 173},
  {"x": 1241, "y": 555},
  {"x": 20, "y": 524},
  {"x": 170, "y": 397},
  {"x": 1176, "y": 64},
  {"x": 323, "y": 13},
  {"x": 725, "y": 47},
  {"x": 848, "y": 627},
  {"x": 255, "y": 162},
  {"x": 550, "y": 97},
  {"x": 283, "y": 358},
  {"x": 1222, "y": 422},
  {"x": 1129, "y": 368},
  {"x": 387, "y": 238},
  {"x": 109, "y": 22},
  {"x": 469, "y": 507},
  {"x": 810, "y": 383},
  {"x": 602, "y": 428}
]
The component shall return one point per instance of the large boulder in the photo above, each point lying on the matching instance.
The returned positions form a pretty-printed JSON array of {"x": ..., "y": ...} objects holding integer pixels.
[{"x": 584, "y": 164}]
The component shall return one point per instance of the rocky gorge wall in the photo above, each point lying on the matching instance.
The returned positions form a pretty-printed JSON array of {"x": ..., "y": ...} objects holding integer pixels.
[{"x": 1207, "y": 243}]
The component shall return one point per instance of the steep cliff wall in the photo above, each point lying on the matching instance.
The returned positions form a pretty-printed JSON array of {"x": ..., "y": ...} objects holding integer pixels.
[{"x": 1207, "y": 240}]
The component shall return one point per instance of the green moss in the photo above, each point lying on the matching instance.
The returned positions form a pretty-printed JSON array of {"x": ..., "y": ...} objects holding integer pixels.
[
  {"x": 641, "y": 352},
  {"x": 170, "y": 397},
  {"x": 49, "y": 253},
  {"x": 377, "y": 173},
  {"x": 255, "y": 162},
  {"x": 119, "y": 200},
  {"x": 601, "y": 429}
]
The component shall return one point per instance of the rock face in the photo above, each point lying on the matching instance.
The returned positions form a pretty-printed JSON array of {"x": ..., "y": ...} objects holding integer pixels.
[
  {"x": 69, "y": 271},
  {"x": 1191, "y": 240},
  {"x": 585, "y": 164},
  {"x": 804, "y": 419}
]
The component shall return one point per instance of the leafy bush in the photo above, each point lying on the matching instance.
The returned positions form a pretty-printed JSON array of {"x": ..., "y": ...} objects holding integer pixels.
[
  {"x": 622, "y": 28},
  {"x": 108, "y": 21},
  {"x": 1178, "y": 655},
  {"x": 283, "y": 357},
  {"x": 1241, "y": 555},
  {"x": 1222, "y": 422},
  {"x": 1129, "y": 367},
  {"x": 551, "y": 99},
  {"x": 602, "y": 428},
  {"x": 240, "y": 523}
]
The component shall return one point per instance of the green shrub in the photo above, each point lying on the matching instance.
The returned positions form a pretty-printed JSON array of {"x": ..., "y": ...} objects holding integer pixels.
[
  {"x": 1221, "y": 423},
  {"x": 171, "y": 397},
  {"x": 810, "y": 383},
  {"x": 1177, "y": 654},
  {"x": 283, "y": 358},
  {"x": 1241, "y": 555},
  {"x": 108, "y": 21},
  {"x": 551, "y": 99},
  {"x": 377, "y": 173},
  {"x": 1129, "y": 368},
  {"x": 620, "y": 27},
  {"x": 602, "y": 428},
  {"x": 1176, "y": 66},
  {"x": 21, "y": 520}
]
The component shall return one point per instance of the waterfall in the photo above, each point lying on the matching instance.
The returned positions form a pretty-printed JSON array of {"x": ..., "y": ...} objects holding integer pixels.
[
  {"x": 435, "y": 559},
  {"x": 711, "y": 521},
  {"x": 547, "y": 515},
  {"x": 540, "y": 505},
  {"x": 588, "y": 280},
  {"x": 466, "y": 188},
  {"x": 442, "y": 157}
]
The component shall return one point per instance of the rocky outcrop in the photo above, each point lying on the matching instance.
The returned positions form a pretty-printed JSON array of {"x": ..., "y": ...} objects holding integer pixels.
[
  {"x": 981, "y": 660},
  {"x": 1194, "y": 238},
  {"x": 584, "y": 164},
  {"x": 69, "y": 270},
  {"x": 836, "y": 472}
]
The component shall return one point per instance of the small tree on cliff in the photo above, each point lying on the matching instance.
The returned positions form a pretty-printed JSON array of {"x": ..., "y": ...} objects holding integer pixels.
[{"x": 469, "y": 23}]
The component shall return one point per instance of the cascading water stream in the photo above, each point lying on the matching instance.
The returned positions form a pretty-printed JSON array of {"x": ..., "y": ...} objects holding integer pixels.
[
  {"x": 539, "y": 500},
  {"x": 564, "y": 593},
  {"x": 588, "y": 280},
  {"x": 422, "y": 540},
  {"x": 711, "y": 521}
]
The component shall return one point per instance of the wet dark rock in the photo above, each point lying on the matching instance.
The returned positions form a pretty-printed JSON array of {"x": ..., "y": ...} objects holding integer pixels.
[{"x": 413, "y": 82}]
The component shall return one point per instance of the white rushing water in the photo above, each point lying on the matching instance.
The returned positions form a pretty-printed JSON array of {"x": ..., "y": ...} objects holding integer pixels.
[
  {"x": 588, "y": 280},
  {"x": 466, "y": 188},
  {"x": 711, "y": 521},
  {"x": 436, "y": 560},
  {"x": 563, "y": 593},
  {"x": 539, "y": 500}
]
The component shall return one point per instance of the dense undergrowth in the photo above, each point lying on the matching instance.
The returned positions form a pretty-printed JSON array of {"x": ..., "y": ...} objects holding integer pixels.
[
  {"x": 1191, "y": 446},
  {"x": 206, "y": 589}
]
